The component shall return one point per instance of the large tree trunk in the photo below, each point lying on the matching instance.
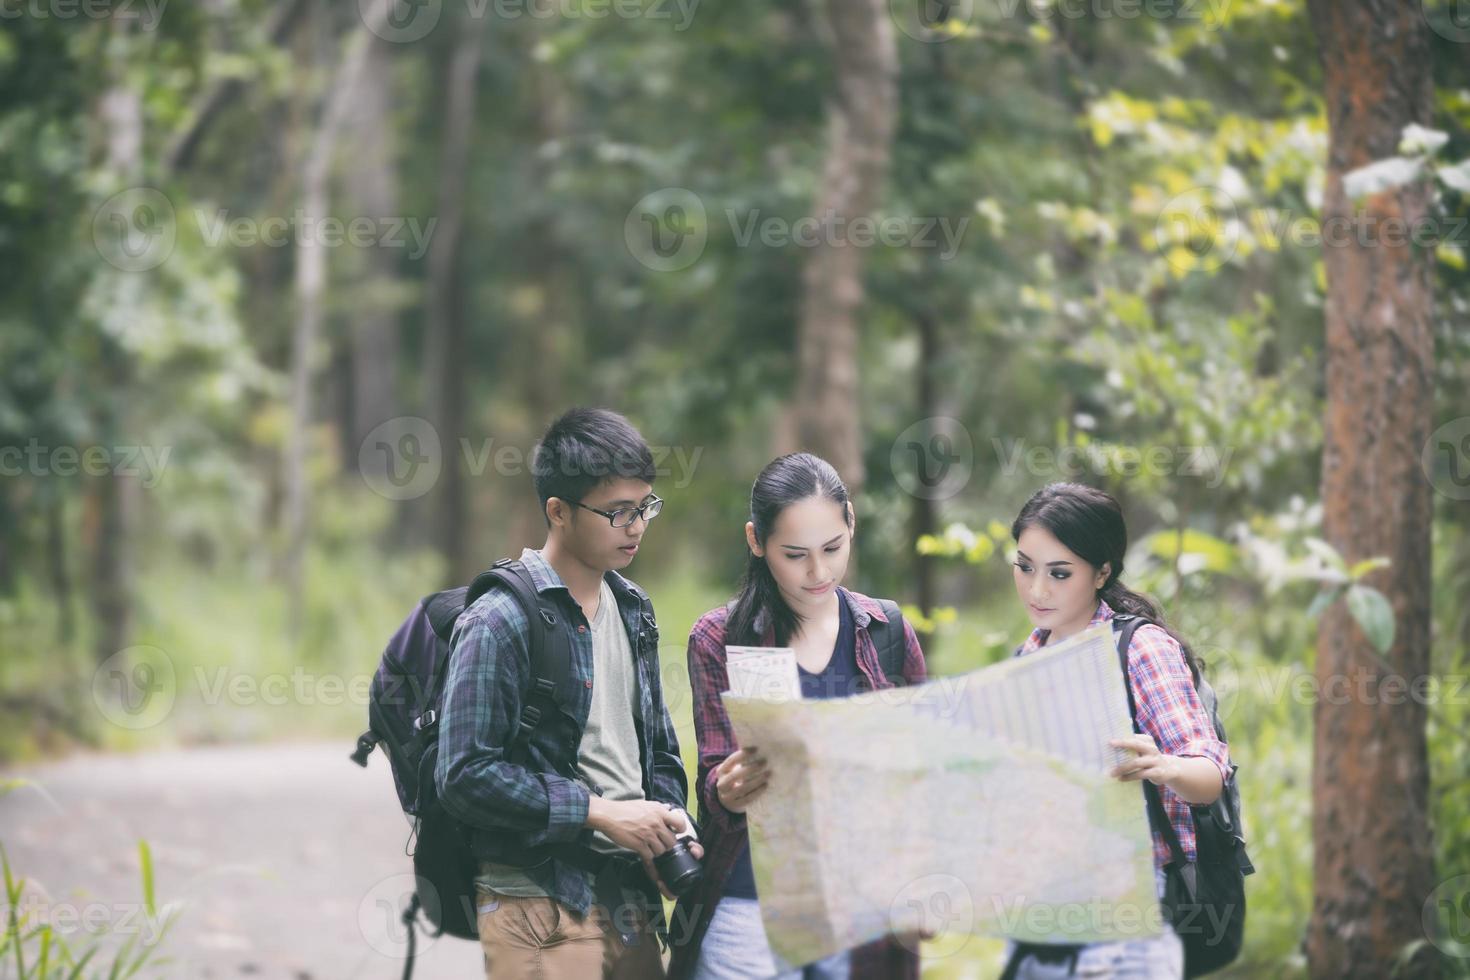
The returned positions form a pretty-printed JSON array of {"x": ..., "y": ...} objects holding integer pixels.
[
  {"x": 1374, "y": 860},
  {"x": 860, "y": 124},
  {"x": 444, "y": 367}
]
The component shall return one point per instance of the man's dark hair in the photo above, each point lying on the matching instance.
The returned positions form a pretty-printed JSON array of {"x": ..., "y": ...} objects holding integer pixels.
[{"x": 586, "y": 447}]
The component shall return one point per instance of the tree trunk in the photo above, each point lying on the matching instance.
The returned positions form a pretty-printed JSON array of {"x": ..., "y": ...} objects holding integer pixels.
[
  {"x": 372, "y": 187},
  {"x": 925, "y": 514},
  {"x": 60, "y": 576},
  {"x": 860, "y": 123},
  {"x": 551, "y": 333},
  {"x": 445, "y": 341},
  {"x": 121, "y": 112},
  {"x": 1374, "y": 858},
  {"x": 311, "y": 281}
]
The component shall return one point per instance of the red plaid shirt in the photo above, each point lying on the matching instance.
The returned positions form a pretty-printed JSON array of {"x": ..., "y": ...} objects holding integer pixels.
[
  {"x": 723, "y": 833},
  {"x": 1170, "y": 711}
]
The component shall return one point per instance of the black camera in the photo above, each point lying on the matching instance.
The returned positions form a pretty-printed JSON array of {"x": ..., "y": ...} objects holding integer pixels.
[{"x": 678, "y": 867}]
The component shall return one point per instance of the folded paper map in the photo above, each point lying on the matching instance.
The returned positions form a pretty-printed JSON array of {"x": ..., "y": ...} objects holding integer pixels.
[{"x": 971, "y": 804}]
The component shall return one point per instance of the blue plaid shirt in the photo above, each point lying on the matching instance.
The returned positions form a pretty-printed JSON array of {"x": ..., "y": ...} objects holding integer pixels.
[{"x": 489, "y": 677}]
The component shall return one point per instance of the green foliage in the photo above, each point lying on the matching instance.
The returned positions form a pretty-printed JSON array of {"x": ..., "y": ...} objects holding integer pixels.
[{"x": 39, "y": 950}]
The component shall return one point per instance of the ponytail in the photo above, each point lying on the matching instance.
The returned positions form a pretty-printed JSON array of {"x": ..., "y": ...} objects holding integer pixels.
[{"x": 1122, "y": 599}]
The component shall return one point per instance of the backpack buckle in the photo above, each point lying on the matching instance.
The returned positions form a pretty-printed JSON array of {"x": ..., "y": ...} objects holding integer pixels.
[
  {"x": 529, "y": 719},
  {"x": 544, "y": 686},
  {"x": 425, "y": 720}
]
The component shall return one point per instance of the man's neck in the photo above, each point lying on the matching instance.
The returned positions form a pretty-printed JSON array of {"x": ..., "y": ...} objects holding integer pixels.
[{"x": 581, "y": 579}]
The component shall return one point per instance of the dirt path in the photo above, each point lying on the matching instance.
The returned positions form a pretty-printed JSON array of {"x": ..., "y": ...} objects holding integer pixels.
[{"x": 288, "y": 859}]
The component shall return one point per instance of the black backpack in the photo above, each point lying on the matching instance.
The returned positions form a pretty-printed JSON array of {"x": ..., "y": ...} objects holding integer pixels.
[
  {"x": 405, "y": 700},
  {"x": 1205, "y": 900}
]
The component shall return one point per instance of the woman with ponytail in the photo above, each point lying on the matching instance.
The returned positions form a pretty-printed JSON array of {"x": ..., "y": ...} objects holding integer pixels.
[
  {"x": 800, "y": 536},
  {"x": 1070, "y": 543}
]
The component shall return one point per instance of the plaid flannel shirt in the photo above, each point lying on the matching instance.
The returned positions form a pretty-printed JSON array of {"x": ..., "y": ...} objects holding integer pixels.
[
  {"x": 488, "y": 679},
  {"x": 1170, "y": 711},
  {"x": 723, "y": 833}
]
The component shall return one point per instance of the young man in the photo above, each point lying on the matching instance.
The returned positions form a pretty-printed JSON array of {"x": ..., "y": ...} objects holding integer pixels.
[{"x": 566, "y": 834}]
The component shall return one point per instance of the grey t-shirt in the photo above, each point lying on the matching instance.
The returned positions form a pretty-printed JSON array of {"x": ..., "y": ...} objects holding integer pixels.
[{"x": 608, "y": 753}]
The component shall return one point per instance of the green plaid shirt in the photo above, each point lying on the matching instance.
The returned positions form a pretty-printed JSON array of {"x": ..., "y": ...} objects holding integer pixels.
[{"x": 488, "y": 680}]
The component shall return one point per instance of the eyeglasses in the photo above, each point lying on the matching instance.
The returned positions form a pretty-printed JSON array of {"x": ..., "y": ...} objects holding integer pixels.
[{"x": 625, "y": 516}]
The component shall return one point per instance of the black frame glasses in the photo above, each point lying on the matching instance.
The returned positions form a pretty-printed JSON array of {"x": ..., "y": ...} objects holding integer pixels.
[{"x": 648, "y": 511}]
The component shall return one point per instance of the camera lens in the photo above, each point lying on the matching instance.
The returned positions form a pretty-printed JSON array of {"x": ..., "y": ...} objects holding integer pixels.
[{"x": 678, "y": 867}]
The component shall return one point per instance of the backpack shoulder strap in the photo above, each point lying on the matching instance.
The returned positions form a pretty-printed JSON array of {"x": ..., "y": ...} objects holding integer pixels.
[
  {"x": 1124, "y": 626},
  {"x": 443, "y": 608},
  {"x": 890, "y": 641},
  {"x": 549, "y": 646}
]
